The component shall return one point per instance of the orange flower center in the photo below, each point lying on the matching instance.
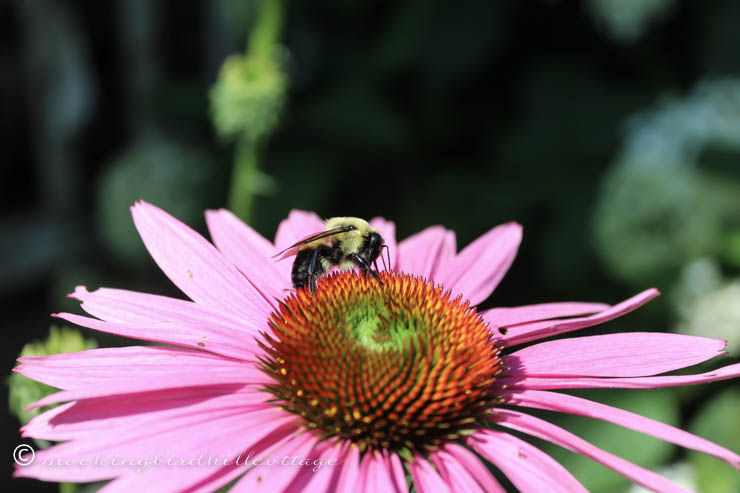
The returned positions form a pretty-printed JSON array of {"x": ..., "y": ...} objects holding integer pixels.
[{"x": 397, "y": 365}]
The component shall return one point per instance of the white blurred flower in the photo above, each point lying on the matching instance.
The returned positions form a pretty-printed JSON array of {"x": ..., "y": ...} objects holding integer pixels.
[
  {"x": 704, "y": 302},
  {"x": 658, "y": 209},
  {"x": 627, "y": 20},
  {"x": 680, "y": 473}
]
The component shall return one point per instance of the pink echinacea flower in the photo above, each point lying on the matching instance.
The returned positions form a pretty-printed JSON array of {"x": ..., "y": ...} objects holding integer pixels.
[{"x": 357, "y": 388}]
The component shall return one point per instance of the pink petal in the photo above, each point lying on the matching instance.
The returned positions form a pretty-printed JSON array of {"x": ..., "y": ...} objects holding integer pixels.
[
  {"x": 195, "y": 266},
  {"x": 144, "y": 409},
  {"x": 192, "y": 480},
  {"x": 520, "y": 334},
  {"x": 280, "y": 474},
  {"x": 551, "y": 383},
  {"x": 131, "y": 307},
  {"x": 547, "y": 431},
  {"x": 364, "y": 475},
  {"x": 137, "y": 411},
  {"x": 479, "y": 267},
  {"x": 324, "y": 478},
  {"x": 265, "y": 448},
  {"x": 378, "y": 475},
  {"x": 298, "y": 225},
  {"x": 563, "y": 403},
  {"x": 144, "y": 365},
  {"x": 226, "y": 432},
  {"x": 473, "y": 466},
  {"x": 130, "y": 387},
  {"x": 387, "y": 230},
  {"x": 314, "y": 476},
  {"x": 425, "y": 478},
  {"x": 248, "y": 251},
  {"x": 506, "y": 317},
  {"x": 214, "y": 338},
  {"x": 455, "y": 473},
  {"x": 204, "y": 477},
  {"x": 630, "y": 354},
  {"x": 427, "y": 253},
  {"x": 349, "y": 470},
  {"x": 527, "y": 467},
  {"x": 397, "y": 471}
]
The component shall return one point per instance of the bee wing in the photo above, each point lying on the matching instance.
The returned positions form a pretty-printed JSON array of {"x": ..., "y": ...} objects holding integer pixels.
[{"x": 293, "y": 249}]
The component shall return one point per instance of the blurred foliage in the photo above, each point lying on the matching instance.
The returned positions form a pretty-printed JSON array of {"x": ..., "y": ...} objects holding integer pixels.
[
  {"x": 610, "y": 129},
  {"x": 662, "y": 205},
  {"x": 653, "y": 220},
  {"x": 176, "y": 177},
  {"x": 718, "y": 422}
]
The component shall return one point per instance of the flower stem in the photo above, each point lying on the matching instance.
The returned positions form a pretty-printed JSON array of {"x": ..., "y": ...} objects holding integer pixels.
[
  {"x": 68, "y": 488},
  {"x": 243, "y": 179},
  {"x": 266, "y": 30},
  {"x": 263, "y": 40}
]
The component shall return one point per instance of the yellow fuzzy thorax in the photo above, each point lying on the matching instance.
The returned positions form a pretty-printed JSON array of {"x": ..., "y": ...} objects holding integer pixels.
[
  {"x": 351, "y": 241},
  {"x": 337, "y": 222}
]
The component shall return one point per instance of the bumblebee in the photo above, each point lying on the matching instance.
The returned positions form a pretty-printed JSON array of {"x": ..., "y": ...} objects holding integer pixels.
[{"x": 347, "y": 242}]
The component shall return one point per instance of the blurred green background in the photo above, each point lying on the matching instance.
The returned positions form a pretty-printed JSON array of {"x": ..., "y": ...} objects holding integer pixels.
[{"x": 610, "y": 129}]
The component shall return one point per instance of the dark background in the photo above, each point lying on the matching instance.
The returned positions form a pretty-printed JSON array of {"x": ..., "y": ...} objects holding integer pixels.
[{"x": 466, "y": 114}]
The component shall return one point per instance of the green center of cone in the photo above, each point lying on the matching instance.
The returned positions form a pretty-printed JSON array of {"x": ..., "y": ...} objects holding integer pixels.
[{"x": 375, "y": 329}]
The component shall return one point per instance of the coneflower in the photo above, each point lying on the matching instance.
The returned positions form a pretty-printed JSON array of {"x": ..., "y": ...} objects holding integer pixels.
[{"x": 356, "y": 388}]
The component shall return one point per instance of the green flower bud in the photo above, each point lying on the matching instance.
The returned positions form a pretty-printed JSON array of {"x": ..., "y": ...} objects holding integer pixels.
[
  {"x": 248, "y": 96},
  {"x": 24, "y": 391}
]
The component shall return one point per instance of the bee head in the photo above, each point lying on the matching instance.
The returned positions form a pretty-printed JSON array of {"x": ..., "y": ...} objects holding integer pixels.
[{"x": 373, "y": 246}]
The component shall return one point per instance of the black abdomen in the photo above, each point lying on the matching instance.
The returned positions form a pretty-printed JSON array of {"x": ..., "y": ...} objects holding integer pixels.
[
  {"x": 299, "y": 275},
  {"x": 302, "y": 267}
]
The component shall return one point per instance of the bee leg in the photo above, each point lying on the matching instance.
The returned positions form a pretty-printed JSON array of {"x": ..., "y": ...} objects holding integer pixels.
[
  {"x": 365, "y": 266},
  {"x": 315, "y": 269}
]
